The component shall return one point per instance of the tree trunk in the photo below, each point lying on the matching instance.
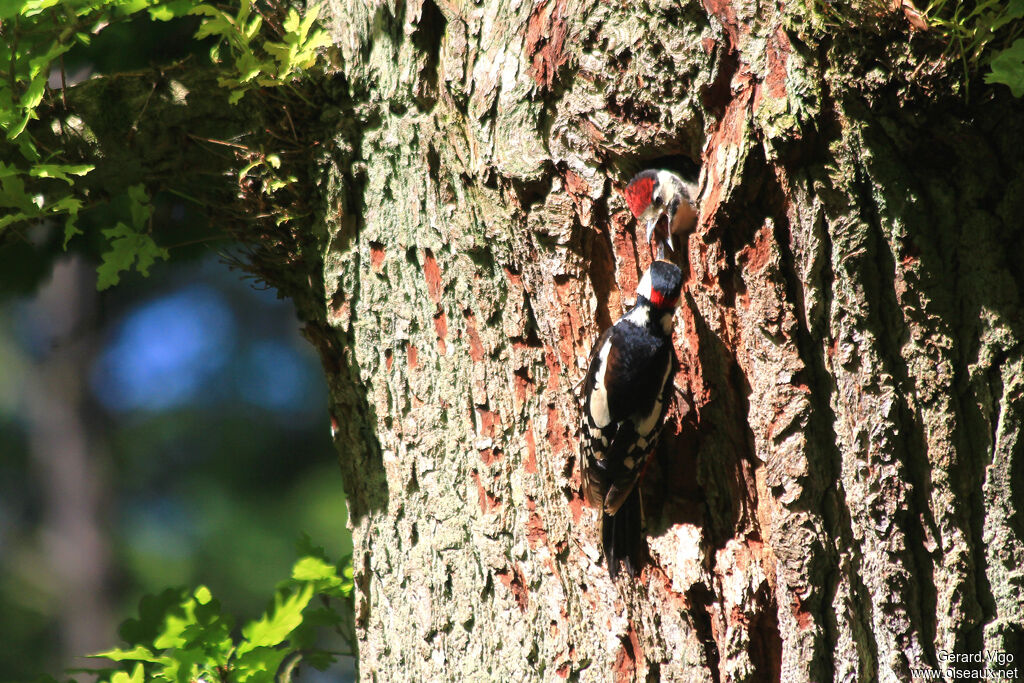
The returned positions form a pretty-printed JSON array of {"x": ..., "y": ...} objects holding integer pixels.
[{"x": 838, "y": 492}]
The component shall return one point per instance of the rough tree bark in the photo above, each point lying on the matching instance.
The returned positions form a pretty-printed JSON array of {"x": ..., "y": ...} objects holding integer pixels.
[
  {"x": 841, "y": 496},
  {"x": 842, "y": 501}
]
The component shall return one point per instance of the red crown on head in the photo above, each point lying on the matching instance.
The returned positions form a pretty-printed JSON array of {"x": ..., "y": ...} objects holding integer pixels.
[{"x": 638, "y": 194}]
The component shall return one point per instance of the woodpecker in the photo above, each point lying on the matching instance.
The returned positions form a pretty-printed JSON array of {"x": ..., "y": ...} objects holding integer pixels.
[
  {"x": 652, "y": 194},
  {"x": 626, "y": 393}
]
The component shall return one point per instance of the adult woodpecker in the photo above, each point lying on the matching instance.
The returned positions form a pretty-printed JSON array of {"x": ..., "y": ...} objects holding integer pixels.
[
  {"x": 626, "y": 393},
  {"x": 653, "y": 194}
]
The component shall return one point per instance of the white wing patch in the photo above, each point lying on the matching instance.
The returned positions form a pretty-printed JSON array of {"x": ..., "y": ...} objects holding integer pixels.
[
  {"x": 640, "y": 315},
  {"x": 644, "y": 288},
  {"x": 648, "y": 422},
  {"x": 599, "y": 412}
]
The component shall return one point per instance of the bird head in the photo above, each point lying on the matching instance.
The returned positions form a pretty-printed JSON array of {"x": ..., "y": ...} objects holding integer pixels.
[
  {"x": 661, "y": 285},
  {"x": 653, "y": 194}
]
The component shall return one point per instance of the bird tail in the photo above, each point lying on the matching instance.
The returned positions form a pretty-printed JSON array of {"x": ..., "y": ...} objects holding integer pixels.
[{"x": 622, "y": 536}]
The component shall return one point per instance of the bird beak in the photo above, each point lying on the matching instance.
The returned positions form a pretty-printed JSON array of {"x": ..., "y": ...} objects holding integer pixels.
[
  {"x": 668, "y": 239},
  {"x": 650, "y": 228}
]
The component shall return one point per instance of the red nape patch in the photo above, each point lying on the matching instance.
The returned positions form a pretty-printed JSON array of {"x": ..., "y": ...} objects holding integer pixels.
[
  {"x": 638, "y": 195},
  {"x": 659, "y": 302}
]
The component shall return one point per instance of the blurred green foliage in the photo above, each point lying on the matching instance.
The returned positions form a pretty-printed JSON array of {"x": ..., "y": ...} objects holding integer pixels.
[
  {"x": 211, "y": 490},
  {"x": 40, "y": 180},
  {"x": 983, "y": 34},
  {"x": 182, "y": 636}
]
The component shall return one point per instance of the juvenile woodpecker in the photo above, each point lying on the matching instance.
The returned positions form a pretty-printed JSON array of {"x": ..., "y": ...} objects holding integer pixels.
[
  {"x": 654, "y": 194},
  {"x": 626, "y": 394}
]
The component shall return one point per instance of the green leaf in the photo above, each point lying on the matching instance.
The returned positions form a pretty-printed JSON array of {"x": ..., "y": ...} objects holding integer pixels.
[
  {"x": 136, "y": 654},
  {"x": 312, "y": 14},
  {"x": 171, "y": 10},
  {"x": 60, "y": 171},
  {"x": 253, "y": 27},
  {"x": 13, "y": 194},
  {"x": 274, "y": 627},
  {"x": 139, "y": 206},
  {"x": 72, "y": 206},
  {"x": 153, "y": 610},
  {"x": 19, "y": 127},
  {"x": 248, "y": 167},
  {"x": 203, "y": 595},
  {"x": 292, "y": 21},
  {"x": 11, "y": 8},
  {"x": 1008, "y": 68},
  {"x": 138, "y": 675},
  {"x": 258, "y": 665},
  {"x": 126, "y": 247},
  {"x": 314, "y": 569}
]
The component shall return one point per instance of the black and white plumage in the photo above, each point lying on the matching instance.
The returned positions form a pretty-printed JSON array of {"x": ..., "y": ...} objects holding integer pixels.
[
  {"x": 626, "y": 393},
  {"x": 656, "y": 194}
]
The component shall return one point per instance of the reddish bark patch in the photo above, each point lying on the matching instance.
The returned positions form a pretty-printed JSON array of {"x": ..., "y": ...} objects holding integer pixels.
[
  {"x": 690, "y": 369},
  {"x": 576, "y": 508},
  {"x": 514, "y": 278},
  {"x": 389, "y": 359},
  {"x": 727, "y": 137},
  {"x": 376, "y": 256},
  {"x": 412, "y": 355},
  {"x": 513, "y": 580},
  {"x": 800, "y": 382},
  {"x": 629, "y": 653},
  {"x": 554, "y": 369},
  {"x": 476, "y": 348},
  {"x": 536, "y": 534},
  {"x": 624, "y": 245},
  {"x": 576, "y": 185},
  {"x": 726, "y": 15},
  {"x": 546, "y": 30},
  {"x": 803, "y": 617},
  {"x": 530, "y": 466},
  {"x": 488, "y": 421},
  {"x": 602, "y": 277},
  {"x": 597, "y": 138},
  {"x": 441, "y": 327},
  {"x": 339, "y": 306},
  {"x": 570, "y": 323},
  {"x": 658, "y": 578},
  {"x": 557, "y": 435},
  {"x": 489, "y": 456},
  {"x": 488, "y": 502},
  {"x": 778, "y": 50},
  {"x": 432, "y": 274},
  {"x": 523, "y": 383},
  {"x": 565, "y": 668},
  {"x": 579, "y": 191},
  {"x": 551, "y": 566},
  {"x": 737, "y": 617},
  {"x": 755, "y": 256}
]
